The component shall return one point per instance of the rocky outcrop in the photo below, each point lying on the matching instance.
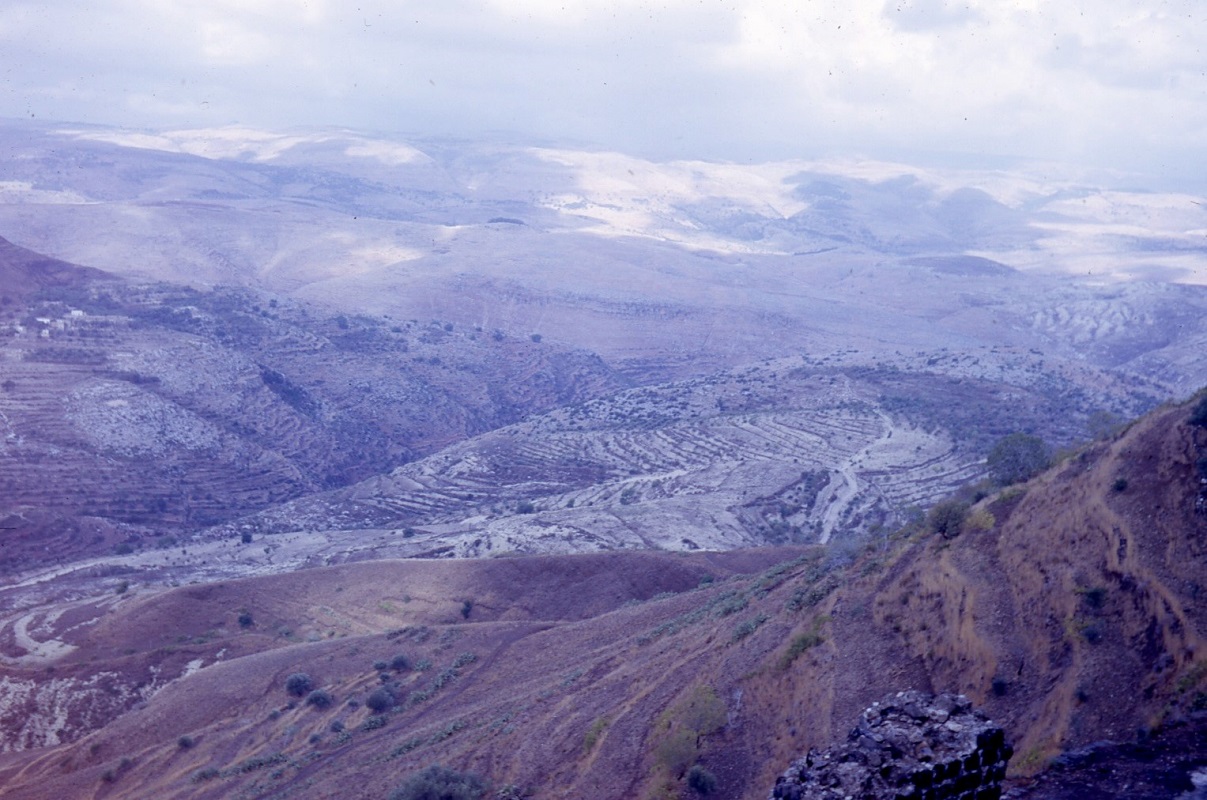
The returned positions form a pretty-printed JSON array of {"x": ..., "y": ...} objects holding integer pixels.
[{"x": 912, "y": 745}]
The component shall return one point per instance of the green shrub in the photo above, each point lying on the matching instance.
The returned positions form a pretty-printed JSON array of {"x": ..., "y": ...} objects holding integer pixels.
[
  {"x": 380, "y": 700},
  {"x": 245, "y": 619},
  {"x": 677, "y": 750},
  {"x": 185, "y": 742},
  {"x": 947, "y": 518},
  {"x": 298, "y": 684},
  {"x": 399, "y": 663},
  {"x": 1017, "y": 457},
  {"x": 441, "y": 783},
  {"x": 320, "y": 698},
  {"x": 701, "y": 780},
  {"x": 1120, "y": 484}
]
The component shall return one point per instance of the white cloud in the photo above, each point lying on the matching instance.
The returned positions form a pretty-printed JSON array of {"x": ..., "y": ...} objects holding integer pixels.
[{"x": 1116, "y": 81}]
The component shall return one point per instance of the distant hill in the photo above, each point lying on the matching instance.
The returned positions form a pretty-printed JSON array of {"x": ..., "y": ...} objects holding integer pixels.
[{"x": 1069, "y": 611}]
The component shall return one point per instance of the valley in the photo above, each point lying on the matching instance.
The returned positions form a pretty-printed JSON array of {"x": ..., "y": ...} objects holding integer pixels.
[{"x": 547, "y": 450}]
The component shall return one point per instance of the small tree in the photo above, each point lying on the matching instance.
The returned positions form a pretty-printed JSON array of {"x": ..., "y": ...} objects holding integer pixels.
[
  {"x": 298, "y": 684},
  {"x": 1017, "y": 457},
  {"x": 701, "y": 780},
  {"x": 947, "y": 518}
]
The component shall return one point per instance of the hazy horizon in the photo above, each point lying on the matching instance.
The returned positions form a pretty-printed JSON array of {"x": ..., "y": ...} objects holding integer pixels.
[{"x": 1118, "y": 85}]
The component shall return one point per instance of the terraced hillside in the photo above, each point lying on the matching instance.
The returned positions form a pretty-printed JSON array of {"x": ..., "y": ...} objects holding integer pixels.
[
  {"x": 792, "y": 450},
  {"x": 1070, "y": 617},
  {"x": 150, "y": 411}
]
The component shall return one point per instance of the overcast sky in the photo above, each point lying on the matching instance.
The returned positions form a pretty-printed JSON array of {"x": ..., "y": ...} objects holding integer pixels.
[{"x": 1107, "y": 82}]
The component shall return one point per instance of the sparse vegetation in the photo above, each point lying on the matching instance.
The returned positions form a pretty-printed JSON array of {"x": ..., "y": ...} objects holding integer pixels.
[
  {"x": 979, "y": 520},
  {"x": 699, "y": 714},
  {"x": 591, "y": 737},
  {"x": 748, "y": 627},
  {"x": 803, "y": 642},
  {"x": 467, "y": 607}
]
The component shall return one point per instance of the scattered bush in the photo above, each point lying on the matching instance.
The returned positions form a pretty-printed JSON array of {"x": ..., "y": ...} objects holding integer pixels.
[
  {"x": 320, "y": 698},
  {"x": 1095, "y": 596},
  {"x": 980, "y": 520},
  {"x": 245, "y": 619},
  {"x": 298, "y": 684},
  {"x": 701, "y": 780},
  {"x": 467, "y": 606},
  {"x": 1000, "y": 687},
  {"x": 400, "y": 663},
  {"x": 373, "y": 723},
  {"x": 380, "y": 665},
  {"x": 1120, "y": 484},
  {"x": 800, "y": 643},
  {"x": 591, "y": 737},
  {"x": 441, "y": 783},
  {"x": 677, "y": 750},
  {"x": 185, "y": 742},
  {"x": 380, "y": 700}
]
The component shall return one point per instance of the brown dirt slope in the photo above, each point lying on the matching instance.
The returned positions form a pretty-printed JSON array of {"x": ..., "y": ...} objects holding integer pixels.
[
  {"x": 1077, "y": 616},
  {"x": 24, "y": 271}
]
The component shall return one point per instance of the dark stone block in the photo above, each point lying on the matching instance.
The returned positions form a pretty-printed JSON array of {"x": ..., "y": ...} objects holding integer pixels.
[{"x": 904, "y": 749}]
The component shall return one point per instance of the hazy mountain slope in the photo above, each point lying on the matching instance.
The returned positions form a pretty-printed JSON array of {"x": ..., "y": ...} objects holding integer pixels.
[
  {"x": 167, "y": 405},
  {"x": 1070, "y": 619}
]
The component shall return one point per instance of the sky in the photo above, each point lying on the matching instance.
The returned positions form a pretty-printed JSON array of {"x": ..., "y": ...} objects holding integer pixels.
[{"x": 1108, "y": 83}]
